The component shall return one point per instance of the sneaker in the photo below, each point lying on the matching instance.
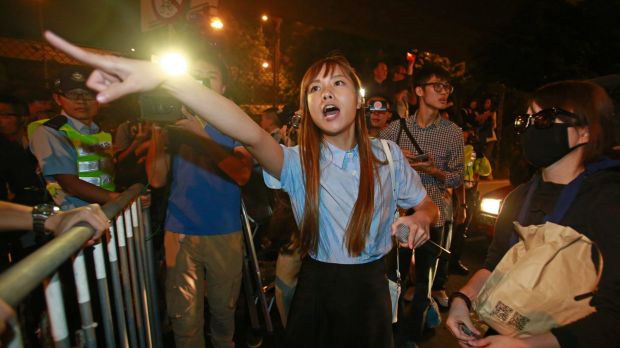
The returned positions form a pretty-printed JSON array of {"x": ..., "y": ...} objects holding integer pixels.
[{"x": 441, "y": 297}]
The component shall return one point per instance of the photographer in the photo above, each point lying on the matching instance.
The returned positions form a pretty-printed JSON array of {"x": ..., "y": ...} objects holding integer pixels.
[
  {"x": 203, "y": 239},
  {"x": 131, "y": 144}
]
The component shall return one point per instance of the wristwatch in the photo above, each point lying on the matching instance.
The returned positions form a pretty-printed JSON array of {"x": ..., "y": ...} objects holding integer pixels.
[{"x": 40, "y": 213}]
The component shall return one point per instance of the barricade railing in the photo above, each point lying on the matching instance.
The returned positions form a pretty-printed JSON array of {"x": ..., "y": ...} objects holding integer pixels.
[{"x": 128, "y": 300}]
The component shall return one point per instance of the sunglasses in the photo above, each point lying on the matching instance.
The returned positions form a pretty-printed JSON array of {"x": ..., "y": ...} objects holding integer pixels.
[
  {"x": 439, "y": 87},
  {"x": 545, "y": 119},
  {"x": 79, "y": 95}
]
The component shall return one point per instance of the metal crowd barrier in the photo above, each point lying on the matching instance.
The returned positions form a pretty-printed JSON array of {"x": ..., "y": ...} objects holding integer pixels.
[{"x": 125, "y": 273}]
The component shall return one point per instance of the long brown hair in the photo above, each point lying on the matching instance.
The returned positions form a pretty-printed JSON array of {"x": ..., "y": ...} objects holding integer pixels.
[
  {"x": 592, "y": 106},
  {"x": 310, "y": 140}
]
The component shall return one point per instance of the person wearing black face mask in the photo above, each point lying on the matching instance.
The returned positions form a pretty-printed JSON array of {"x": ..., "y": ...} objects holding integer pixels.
[
  {"x": 567, "y": 134},
  {"x": 546, "y": 139}
]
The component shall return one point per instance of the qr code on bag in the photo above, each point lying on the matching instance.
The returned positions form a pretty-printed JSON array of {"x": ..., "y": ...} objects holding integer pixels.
[
  {"x": 518, "y": 321},
  {"x": 501, "y": 311}
]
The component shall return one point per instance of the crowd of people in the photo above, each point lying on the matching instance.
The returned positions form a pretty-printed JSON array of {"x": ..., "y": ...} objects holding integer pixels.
[{"x": 346, "y": 173}]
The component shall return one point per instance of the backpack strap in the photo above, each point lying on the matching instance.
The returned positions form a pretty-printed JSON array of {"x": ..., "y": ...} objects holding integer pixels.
[{"x": 403, "y": 126}]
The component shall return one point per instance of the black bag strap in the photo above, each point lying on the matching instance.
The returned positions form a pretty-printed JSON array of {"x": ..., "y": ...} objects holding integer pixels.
[{"x": 403, "y": 126}]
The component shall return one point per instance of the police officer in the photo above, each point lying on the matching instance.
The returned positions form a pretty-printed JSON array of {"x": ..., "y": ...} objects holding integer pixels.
[{"x": 74, "y": 155}]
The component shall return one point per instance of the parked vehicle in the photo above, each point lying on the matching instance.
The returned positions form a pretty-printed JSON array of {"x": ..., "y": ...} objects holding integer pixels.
[{"x": 485, "y": 215}]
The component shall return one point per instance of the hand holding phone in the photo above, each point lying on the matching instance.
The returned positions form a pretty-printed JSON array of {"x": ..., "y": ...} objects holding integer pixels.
[
  {"x": 417, "y": 158},
  {"x": 467, "y": 331}
]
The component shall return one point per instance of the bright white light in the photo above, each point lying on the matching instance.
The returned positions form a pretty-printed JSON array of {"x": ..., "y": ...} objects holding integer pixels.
[
  {"x": 216, "y": 23},
  {"x": 265, "y": 65},
  {"x": 133, "y": 49},
  {"x": 264, "y": 18},
  {"x": 490, "y": 206},
  {"x": 362, "y": 92},
  {"x": 173, "y": 63}
]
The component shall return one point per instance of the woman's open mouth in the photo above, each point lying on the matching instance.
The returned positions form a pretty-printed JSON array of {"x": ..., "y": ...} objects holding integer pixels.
[{"x": 330, "y": 111}]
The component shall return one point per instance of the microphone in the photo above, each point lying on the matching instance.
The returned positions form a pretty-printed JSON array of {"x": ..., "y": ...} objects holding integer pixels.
[{"x": 402, "y": 235}]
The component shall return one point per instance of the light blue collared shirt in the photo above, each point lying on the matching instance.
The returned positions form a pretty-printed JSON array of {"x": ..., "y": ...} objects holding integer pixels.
[{"x": 339, "y": 186}]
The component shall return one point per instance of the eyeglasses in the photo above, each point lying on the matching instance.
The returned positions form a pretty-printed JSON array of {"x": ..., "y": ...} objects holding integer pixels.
[
  {"x": 545, "y": 119},
  {"x": 440, "y": 87},
  {"x": 86, "y": 96}
]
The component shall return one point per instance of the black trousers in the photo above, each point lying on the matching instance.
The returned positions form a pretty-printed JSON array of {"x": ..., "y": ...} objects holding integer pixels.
[{"x": 339, "y": 305}]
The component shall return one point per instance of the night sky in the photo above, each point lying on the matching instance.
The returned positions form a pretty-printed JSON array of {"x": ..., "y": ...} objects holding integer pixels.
[{"x": 447, "y": 27}]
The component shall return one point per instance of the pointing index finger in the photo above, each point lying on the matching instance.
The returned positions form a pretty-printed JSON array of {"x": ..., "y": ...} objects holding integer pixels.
[{"x": 75, "y": 51}]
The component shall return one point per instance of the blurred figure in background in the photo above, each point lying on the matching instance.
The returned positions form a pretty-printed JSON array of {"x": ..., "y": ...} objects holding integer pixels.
[
  {"x": 131, "y": 143},
  {"x": 379, "y": 84},
  {"x": 487, "y": 121},
  {"x": 41, "y": 105},
  {"x": 380, "y": 114},
  {"x": 270, "y": 122},
  {"x": 19, "y": 181}
]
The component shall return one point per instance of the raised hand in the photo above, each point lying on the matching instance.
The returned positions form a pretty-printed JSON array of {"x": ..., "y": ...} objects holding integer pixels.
[{"x": 113, "y": 77}]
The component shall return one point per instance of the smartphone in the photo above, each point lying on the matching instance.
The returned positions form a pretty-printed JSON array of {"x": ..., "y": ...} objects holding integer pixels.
[
  {"x": 418, "y": 158},
  {"x": 160, "y": 107},
  {"x": 464, "y": 329}
]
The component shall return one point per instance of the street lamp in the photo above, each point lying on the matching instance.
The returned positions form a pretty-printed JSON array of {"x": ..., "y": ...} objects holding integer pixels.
[
  {"x": 276, "y": 55},
  {"x": 216, "y": 23},
  {"x": 214, "y": 19}
]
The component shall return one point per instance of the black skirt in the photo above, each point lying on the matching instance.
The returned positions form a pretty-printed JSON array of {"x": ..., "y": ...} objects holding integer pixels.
[{"x": 338, "y": 305}]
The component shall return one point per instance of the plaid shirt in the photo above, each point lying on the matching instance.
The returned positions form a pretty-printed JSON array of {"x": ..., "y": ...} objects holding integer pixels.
[{"x": 442, "y": 140}]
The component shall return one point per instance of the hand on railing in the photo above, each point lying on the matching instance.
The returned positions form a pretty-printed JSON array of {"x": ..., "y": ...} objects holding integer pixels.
[{"x": 91, "y": 214}]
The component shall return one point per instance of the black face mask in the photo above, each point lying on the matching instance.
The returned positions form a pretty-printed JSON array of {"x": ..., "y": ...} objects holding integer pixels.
[{"x": 543, "y": 147}]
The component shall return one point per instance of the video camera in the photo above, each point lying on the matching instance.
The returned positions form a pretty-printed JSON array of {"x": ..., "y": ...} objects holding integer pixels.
[{"x": 160, "y": 107}]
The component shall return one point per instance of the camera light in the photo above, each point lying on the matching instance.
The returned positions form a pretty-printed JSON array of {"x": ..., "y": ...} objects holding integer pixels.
[
  {"x": 216, "y": 23},
  {"x": 490, "y": 206},
  {"x": 173, "y": 63}
]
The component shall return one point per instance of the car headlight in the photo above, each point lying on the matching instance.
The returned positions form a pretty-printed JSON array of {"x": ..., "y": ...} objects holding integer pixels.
[{"x": 490, "y": 206}]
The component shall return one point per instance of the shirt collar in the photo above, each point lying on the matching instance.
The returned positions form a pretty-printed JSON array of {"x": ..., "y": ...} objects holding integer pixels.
[
  {"x": 80, "y": 126},
  {"x": 338, "y": 156},
  {"x": 435, "y": 123}
]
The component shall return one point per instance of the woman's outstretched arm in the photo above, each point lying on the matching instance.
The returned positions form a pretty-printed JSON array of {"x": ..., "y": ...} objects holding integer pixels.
[{"x": 115, "y": 77}]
